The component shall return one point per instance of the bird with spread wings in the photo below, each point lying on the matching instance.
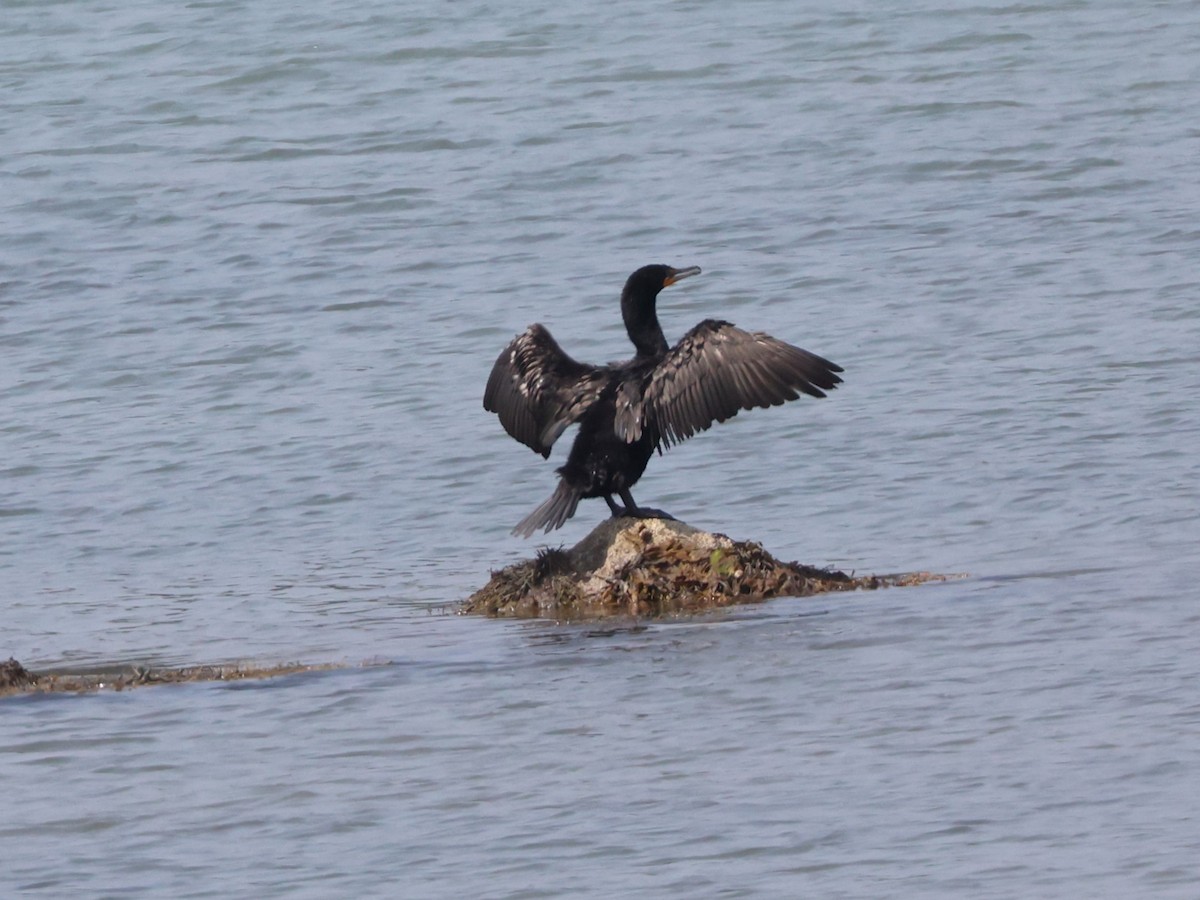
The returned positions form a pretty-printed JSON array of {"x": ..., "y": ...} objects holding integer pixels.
[{"x": 627, "y": 411}]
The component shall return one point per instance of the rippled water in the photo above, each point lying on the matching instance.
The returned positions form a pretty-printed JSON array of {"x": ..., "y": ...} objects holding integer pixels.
[{"x": 255, "y": 263}]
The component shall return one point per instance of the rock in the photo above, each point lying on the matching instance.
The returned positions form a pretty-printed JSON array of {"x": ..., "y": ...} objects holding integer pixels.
[
  {"x": 13, "y": 675},
  {"x": 655, "y": 567}
]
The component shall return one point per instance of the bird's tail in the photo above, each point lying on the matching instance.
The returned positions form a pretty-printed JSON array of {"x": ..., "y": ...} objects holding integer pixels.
[{"x": 552, "y": 513}]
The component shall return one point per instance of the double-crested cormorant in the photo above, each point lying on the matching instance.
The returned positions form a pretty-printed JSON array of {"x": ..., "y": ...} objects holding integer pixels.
[{"x": 628, "y": 410}]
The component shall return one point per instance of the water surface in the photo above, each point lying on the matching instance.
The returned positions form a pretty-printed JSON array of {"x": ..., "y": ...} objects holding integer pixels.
[{"x": 255, "y": 263}]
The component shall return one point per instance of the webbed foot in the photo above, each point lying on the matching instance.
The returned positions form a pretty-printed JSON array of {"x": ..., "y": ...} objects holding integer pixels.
[
  {"x": 642, "y": 512},
  {"x": 632, "y": 511}
]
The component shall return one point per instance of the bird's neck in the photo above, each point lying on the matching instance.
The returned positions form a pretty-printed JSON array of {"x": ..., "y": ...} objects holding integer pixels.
[{"x": 641, "y": 321}]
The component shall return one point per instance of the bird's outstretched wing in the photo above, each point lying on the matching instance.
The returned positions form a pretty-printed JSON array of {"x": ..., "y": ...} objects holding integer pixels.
[
  {"x": 537, "y": 390},
  {"x": 716, "y": 370}
]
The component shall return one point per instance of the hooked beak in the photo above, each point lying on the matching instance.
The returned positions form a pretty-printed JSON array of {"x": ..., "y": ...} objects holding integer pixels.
[{"x": 680, "y": 274}]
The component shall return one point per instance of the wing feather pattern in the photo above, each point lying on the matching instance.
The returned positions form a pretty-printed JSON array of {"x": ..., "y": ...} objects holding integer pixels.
[
  {"x": 537, "y": 390},
  {"x": 718, "y": 369}
]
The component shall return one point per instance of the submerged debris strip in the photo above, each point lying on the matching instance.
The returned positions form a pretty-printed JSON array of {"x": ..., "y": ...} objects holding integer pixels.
[{"x": 16, "y": 679}]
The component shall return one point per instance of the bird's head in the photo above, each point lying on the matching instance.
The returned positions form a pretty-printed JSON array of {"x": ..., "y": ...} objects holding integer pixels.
[
  {"x": 647, "y": 281},
  {"x": 638, "y": 302}
]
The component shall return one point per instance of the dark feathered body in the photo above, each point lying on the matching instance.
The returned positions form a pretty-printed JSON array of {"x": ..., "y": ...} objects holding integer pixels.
[
  {"x": 602, "y": 463},
  {"x": 627, "y": 411}
]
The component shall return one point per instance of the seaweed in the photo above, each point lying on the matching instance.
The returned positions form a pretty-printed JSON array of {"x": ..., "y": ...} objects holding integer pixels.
[{"x": 656, "y": 567}]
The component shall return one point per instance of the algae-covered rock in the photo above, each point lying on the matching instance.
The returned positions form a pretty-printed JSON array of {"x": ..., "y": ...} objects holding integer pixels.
[{"x": 655, "y": 567}]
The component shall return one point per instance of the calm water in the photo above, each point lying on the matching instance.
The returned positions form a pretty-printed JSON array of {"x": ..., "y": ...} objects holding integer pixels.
[{"x": 255, "y": 264}]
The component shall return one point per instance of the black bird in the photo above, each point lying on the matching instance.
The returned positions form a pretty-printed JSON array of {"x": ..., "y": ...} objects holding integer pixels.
[{"x": 628, "y": 410}]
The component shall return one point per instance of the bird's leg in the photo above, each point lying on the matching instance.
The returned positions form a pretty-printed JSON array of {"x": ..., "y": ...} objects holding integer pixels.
[
  {"x": 631, "y": 507},
  {"x": 640, "y": 512},
  {"x": 617, "y": 511}
]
